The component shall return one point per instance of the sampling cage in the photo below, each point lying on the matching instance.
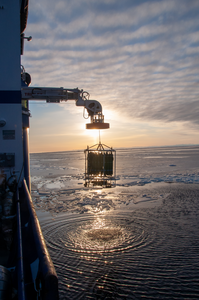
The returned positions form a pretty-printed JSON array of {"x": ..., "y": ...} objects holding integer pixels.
[{"x": 100, "y": 166}]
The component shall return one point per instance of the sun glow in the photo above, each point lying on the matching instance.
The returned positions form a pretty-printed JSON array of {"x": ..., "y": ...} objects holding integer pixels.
[
  {"x": 94, "y": 135},
  {"x": 93, "y": 132}
]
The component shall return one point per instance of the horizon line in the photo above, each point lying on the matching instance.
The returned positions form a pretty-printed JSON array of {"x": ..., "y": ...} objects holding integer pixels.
[{"x": 117, "y": 148}]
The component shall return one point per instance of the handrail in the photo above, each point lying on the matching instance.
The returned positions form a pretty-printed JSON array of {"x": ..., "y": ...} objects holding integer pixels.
[
  {"x": 47, "y": 269},
  {"x": 20, "y": 270}
]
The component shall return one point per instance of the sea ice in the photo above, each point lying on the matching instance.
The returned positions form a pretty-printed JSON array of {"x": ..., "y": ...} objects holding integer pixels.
[{"x": 65, "y": 180}]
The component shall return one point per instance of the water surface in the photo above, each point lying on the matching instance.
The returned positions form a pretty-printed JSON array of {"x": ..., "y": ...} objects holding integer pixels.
[{"x": 137, "y": 240}]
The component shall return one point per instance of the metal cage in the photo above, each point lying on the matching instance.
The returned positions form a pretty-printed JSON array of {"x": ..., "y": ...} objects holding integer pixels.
[{"x": 100, "y": 166}]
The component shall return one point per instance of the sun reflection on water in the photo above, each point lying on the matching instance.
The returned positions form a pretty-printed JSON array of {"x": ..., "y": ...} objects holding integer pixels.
[{"x": 97, "y": 236}]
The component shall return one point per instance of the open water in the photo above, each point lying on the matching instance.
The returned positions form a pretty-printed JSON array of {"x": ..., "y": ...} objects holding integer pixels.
[{"x": 137, "y": 240}]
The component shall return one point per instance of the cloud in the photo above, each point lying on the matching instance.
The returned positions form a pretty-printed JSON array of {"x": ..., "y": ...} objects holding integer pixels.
[{"x": 140, "y": 58}]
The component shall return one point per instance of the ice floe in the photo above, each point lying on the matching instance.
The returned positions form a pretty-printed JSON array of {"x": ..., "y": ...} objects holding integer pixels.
[{"x": 58, "y": 178}]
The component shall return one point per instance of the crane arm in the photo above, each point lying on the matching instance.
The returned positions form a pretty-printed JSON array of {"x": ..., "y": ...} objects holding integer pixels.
[{"x": 59, "y": 95}]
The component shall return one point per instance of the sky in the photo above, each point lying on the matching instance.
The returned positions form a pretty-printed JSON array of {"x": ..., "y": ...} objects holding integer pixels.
[{"x": 139, "y": 59}]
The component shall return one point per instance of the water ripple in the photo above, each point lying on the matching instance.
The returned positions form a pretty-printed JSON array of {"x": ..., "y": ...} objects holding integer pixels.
[{"x": 147, "y": 253}]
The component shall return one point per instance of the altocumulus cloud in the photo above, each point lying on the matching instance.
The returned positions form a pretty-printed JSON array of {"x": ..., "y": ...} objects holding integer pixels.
[{"x": 140, "y": 58}]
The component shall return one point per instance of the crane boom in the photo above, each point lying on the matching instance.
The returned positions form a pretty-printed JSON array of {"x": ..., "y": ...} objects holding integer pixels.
[{"x": 58, "y": 95}]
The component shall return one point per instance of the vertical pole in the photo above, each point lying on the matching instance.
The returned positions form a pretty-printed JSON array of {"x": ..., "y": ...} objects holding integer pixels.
[
  {"x": 115, "y": 166},
  {"x": 26, "y": 157},
  {"x": 21, "y": 286}
]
